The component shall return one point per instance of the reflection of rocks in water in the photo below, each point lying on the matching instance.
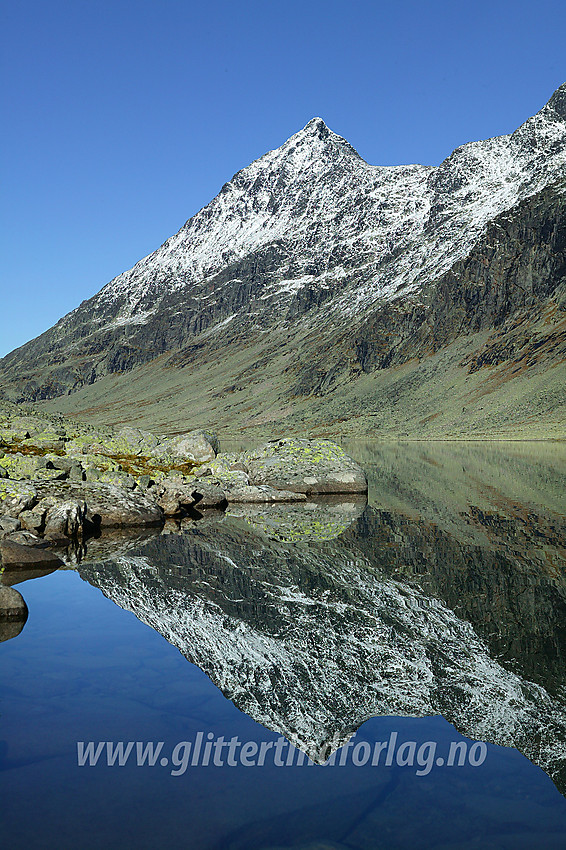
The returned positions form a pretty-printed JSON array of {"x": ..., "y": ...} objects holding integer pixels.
[
  {"x": 391, "y": 618},
  {"x": 10, "y": 629},
  {"x": 13, "y": 613},
  {"x": 323, "y": 519},
  {"x": 112, "y": 543}
]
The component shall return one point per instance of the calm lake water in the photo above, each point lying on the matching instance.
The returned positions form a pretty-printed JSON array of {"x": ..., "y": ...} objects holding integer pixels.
[{"x": 322, "y": 676}]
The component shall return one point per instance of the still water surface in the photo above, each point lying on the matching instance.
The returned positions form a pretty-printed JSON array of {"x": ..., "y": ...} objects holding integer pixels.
[{"x": 434, "y": 615}]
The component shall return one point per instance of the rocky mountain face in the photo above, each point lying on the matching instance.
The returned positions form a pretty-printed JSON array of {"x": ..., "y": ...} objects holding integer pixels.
[{"x": 313, "y": 277}]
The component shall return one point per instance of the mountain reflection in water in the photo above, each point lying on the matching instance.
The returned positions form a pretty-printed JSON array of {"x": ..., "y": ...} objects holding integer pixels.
[{"x": 445, "y": 595}]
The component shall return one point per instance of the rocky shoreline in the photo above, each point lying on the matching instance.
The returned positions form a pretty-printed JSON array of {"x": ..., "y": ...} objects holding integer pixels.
[{"x": 61, "y": 481}]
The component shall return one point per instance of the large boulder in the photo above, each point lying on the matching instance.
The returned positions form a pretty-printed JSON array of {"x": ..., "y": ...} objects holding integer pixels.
[
  {"x": 305, "y": 466},
  {"x": 195, "y": 447},
  {"x": 66, "y": 519},
  {"x": 109, "y": 506},
  {"x": 32, "y": 425},
  {"x": 8, "y": 525},
  {"x": 18, "y": 466},
  {"x": 126, "y": 442},
  {"x": 12, "y": 435},
  {"x": 208, "y": 494},
  {"x": 12, "y": 605},
  {"x": 50, "y": 441}
]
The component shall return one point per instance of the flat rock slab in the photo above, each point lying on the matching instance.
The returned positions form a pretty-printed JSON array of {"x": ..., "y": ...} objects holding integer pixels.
[
  {"x": 15, "y": 556},
  {"x": 262, "y": 493},
  {"x": 305, "y": 466}
]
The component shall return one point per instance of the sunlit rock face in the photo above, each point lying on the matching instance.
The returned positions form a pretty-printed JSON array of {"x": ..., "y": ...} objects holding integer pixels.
[{"x": 393, "y": 616}]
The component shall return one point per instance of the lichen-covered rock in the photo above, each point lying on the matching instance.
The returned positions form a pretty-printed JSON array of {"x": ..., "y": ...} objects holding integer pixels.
[
  {"x": 33, "y": 424},
  {"x": 19, "y": 467},
  {"x": 61, "y": 463},
  {"x": 15, "y": 497},
  {"x": 49, "y": 475},
  {"x": 47, "y": 441},
  {"x": 34, "y": 519},
  {"x": 126, "y": 442},
  {"x": 94, "y": 464},
  {"x": 262, "y": 493},
  {"x": 119, "y": 479},
  {"x": 8, "y": 525},
  {"x": 305, "y": 466},
  {"x": 226, "y": 471},
  {"x": 81, "y": 444},
  {"x": 118, "y": 508},
  {"x": 66, "y": 519},
  {"x": 107, "y": 506},
  {"x": 13, "y": 435}
]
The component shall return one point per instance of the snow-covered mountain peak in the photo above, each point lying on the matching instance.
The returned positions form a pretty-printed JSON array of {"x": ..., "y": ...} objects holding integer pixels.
[
  {"x": 309, "y": 148},
  {"x": 313, "y": 217},
  {"x": 314, "y": 126},
  {"x": 557, "y": 102}
]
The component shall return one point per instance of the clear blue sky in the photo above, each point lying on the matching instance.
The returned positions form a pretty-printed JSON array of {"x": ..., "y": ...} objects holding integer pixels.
[{"x": 121, "y": 119}]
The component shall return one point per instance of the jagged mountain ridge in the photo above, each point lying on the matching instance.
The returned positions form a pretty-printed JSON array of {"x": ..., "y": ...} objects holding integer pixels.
[{"x": 306, "y": 238}]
